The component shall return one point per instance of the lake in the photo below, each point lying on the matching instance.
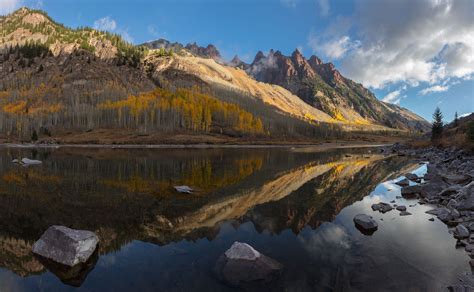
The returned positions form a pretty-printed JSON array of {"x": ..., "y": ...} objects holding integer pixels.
[{"x": 293, "y": 204}]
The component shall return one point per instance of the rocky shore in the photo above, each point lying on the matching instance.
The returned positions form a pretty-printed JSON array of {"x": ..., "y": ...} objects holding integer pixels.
[{"x": 448, "y": 184}]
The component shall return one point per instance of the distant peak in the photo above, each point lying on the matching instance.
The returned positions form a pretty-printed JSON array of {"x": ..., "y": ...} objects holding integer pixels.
[
  {"x": 259, "y": 56},
  {"x": 314, "y": 61}
]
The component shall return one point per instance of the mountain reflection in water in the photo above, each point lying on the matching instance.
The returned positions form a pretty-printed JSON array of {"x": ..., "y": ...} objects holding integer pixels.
[{"x": 127, "y": 198}]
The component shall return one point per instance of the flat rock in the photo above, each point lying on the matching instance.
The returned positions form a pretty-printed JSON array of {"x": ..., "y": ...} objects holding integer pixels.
[
  {"x": 183, "y": 189},
  {"x": 365, "y": 223},
  {"x": 27, "y": 161},
  {"x": 66, "y": 246},
  {"x": 405, "y": 213},
  {"x": 241, "y": 264}
]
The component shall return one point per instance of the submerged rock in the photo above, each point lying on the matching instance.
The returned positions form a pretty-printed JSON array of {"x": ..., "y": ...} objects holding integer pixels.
[
  {"x": 365, "y": 223},
  {"x": 66, "y": 246},
  {"x": 183, "y": 189},
  {"x": 241, "y": 264},
  {"x": 404, "y": 213}
]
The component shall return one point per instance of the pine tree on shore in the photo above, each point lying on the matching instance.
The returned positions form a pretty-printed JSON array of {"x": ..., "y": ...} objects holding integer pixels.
[
  {"x": 456, "y": 119},
  {"x": 437, "y": 126}
]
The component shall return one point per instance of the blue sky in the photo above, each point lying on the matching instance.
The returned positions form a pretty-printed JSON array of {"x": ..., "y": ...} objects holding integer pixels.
[{"x": 417, "y": 53}]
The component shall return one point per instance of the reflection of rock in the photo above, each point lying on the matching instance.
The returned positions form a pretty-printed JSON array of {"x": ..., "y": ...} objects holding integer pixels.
[
  {"x": 242, "y": 264},
  {"x": 66, "y": 246},
  {"x": 365, "y": 223},
  {"x": 73, "y": 276}
]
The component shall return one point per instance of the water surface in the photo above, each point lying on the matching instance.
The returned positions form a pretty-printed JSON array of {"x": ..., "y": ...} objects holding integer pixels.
[{"x": 293, "y": 204}]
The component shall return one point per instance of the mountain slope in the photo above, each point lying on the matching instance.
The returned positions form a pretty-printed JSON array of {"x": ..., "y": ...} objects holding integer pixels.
[
  {"x": 322, "y": 86},
  {"x": 53, "y": 77}
]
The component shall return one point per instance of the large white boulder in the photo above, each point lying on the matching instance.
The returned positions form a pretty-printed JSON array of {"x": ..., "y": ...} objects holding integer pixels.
[
  {"x": 66, "y": 246},
  {"x": 241, "y": 265}
]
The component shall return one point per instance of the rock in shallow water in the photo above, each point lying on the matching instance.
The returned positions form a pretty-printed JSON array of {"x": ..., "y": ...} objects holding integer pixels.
[
  {"x": 403, "y": 183},
  {"x": 66, "y": 246},
  {"x": 382, "y": 207},
  {"x": 241, "y": 264},
  {"x": 365, "y": 223},
  {"x": 411, "y": 191}
]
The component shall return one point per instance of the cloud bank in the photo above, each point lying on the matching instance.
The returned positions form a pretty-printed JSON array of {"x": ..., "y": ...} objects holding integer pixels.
[{"x": 402, "y": 41}]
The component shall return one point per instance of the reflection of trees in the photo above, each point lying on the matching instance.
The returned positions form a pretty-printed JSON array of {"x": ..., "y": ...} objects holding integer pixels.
[{"x": 127, "y": 195}]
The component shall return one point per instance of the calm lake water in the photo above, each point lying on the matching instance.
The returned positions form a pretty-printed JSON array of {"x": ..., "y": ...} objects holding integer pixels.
[{"x": 295, "y": 205}]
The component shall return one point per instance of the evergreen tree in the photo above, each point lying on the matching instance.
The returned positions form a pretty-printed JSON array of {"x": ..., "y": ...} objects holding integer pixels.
[
  {"x": 437, "y": 126},
  {"x": 34, "y": 136},
  {"x": 456, "y": 119}
]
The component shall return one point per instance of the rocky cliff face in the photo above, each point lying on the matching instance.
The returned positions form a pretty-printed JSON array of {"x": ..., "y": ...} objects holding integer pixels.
[{"x": 322, "y": 86}]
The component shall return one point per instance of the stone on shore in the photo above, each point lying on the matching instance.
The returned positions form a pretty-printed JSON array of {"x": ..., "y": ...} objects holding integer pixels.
[
  {"x": 461, "y": 232},
  {"x": 466, "y": 197},
  {"x": 66, "y": 246},
  {"x": 405, "y": 213},
  {"x": 241, "y": 264},
  {"x": 365, "y": 223},
  {"x": 442, "y": 213},
  {"x": 382, "y": 207}
]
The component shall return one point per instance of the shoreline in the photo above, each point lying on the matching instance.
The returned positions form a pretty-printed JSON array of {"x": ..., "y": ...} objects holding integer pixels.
[
  {"x": 339, "y": 145},
  {"x": 448, "y": 186}
]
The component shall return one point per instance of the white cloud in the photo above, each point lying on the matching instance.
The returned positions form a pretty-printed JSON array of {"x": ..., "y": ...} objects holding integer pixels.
[
  {"x": 393, "y": 97},
  {"x": 105, "y": 23},
  {"x": 415, "y": 42},
  {"x": 109, "y": 24},
  {"x": 435, "y": 88},
  {"x": 323, "y": 7},
  {"x": 8, "y": 6}
]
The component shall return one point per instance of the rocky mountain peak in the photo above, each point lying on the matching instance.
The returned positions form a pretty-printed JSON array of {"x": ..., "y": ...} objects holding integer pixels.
[
  {"x": 314, "y": 61},
  {"x": 258, "y": 57},
  {"x": 207, "y": 52}
]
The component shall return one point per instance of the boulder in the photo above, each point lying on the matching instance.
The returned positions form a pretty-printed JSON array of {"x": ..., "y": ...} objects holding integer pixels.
[
  {"x": 66, "y": 246},
  {"x": 411, "y": 191},
  {"x": 455, "y": 179},
  {"x": 382, "y": 207},
  {"x": 403, "y": 183},
  {"x": 442, "y": 213},
  {"x": 365, "y": 223},
  {"x": 183, "y": 189},
  {"x": 461, "y": 232},
  {"x": 466, "y": 197},
  {"x": 241, "y": 264}
]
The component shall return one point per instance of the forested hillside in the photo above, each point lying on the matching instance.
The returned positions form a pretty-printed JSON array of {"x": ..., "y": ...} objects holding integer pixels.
[{"x": 54, "y": 79}]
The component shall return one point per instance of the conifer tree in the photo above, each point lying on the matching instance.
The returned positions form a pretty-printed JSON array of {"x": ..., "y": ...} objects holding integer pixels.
[{"x": 437, "y": 125}]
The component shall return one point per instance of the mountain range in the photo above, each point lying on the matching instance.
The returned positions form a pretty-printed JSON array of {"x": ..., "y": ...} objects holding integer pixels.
[{"x": 57, "y": 79}]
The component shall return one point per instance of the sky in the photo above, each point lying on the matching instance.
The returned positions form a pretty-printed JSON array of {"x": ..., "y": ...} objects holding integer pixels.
[{"x": 418, "y": 54}]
